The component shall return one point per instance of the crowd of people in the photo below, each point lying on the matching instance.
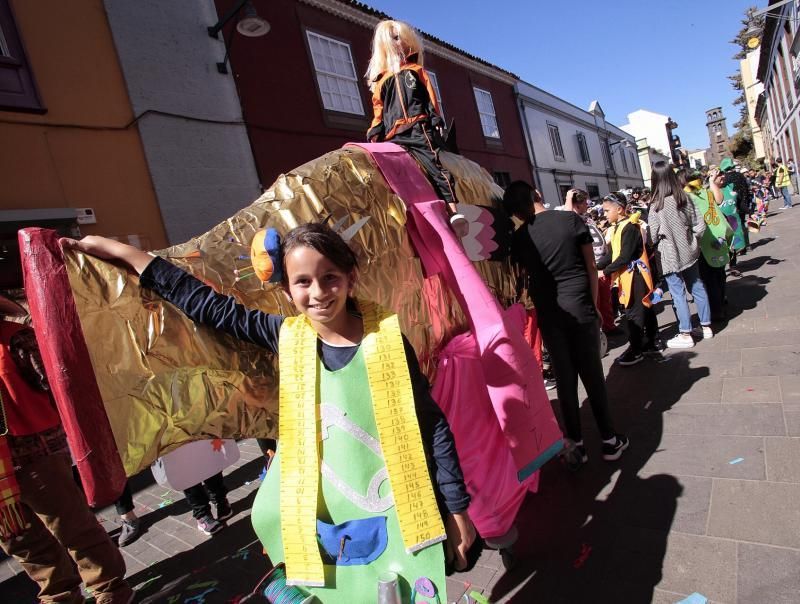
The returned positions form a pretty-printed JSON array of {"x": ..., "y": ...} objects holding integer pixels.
[{"x": 597, "y": 261}]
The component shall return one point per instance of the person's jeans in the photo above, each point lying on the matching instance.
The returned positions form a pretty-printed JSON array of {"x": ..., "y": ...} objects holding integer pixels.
[
  {"x": 64, "y": 543},
  {"x": 787, "y": 197},
  {"x": 678, "y": 283},
  {"x": 575, "y": 351}
]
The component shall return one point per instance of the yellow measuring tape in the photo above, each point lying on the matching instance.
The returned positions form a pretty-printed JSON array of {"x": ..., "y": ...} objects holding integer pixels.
[{"x": 398, "y": 431}]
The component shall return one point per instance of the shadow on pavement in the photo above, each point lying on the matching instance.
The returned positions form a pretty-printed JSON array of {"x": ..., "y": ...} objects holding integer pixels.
[
  {"x": 760, "y": 242},
  {"x": 600, "y": 535},
  {"x": 753, "y": 264},
  {"x": 225, "y": 566}
]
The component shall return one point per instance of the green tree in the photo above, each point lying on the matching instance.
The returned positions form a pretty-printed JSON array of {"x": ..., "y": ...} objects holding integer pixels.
[{"x": 741, "y": 143}]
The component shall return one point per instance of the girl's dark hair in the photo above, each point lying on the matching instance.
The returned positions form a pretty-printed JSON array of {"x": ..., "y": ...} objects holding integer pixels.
[
  {"x": 665, "y": 183},
  {"x": 325, "y": 240}
]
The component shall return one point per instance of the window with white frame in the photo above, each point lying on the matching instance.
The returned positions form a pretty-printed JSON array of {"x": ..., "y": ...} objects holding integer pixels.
[
  {"x": 633, "y": 162},
  {"x": 624, "y": 159},
  {"x": 486, "y": 112},
  {"x": 336, "y": 74},
  {"x": 435, "y": 84},
  {"x": 555, "y": 141},
  {"x": 583, "y": 149}
]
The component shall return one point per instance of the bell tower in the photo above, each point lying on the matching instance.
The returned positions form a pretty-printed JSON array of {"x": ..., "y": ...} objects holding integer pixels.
[{"x": 717, "y": 136}]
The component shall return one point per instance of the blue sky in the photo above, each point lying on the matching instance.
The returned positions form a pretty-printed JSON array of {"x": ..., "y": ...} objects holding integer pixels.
[{"x": 668, "y": 56}]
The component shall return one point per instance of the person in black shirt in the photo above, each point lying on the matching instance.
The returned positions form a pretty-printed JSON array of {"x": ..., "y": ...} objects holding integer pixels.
[{"x": 554, "y": 253}]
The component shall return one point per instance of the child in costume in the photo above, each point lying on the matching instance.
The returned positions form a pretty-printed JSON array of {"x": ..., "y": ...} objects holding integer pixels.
[
  {"x": 714, "y": 245},
  {"x": 349, "y": 494},
  {"x": 405, "y": 107},
  {"x": 629, "y": 265}
]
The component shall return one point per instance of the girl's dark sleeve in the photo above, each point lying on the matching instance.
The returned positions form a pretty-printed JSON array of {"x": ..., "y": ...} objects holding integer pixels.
[
  {"x": 437, "y": 439},
  {"x": 203, "y": 305},
  {"x": 631, "y": 249}
]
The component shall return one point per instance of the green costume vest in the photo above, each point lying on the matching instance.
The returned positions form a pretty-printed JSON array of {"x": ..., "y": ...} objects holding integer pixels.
[
  {"x": 728, "y": 208},
  {"x": 358, "y": 529},
  {"x": 718, "y": 233}
]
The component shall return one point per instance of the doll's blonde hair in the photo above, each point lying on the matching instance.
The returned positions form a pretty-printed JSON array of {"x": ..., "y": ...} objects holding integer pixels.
[{"x": 386, "y": 56}]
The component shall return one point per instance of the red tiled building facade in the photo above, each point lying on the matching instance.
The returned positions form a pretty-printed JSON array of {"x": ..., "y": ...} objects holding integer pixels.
[{"x": 303, "y": 92}]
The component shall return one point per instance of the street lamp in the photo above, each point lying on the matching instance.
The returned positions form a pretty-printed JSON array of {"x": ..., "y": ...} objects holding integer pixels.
[
  {"x": 753, "y": 33},
  {"x": 251, "y": 25},
  {"x": 626, "y": 144}
]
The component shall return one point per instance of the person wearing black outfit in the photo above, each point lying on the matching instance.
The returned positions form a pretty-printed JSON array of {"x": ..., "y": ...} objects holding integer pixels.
[{"x": 554, "y": 251}]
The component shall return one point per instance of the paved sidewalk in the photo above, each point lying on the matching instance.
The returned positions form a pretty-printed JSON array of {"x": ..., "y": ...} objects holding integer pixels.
[{"x": 706, "y": 500}]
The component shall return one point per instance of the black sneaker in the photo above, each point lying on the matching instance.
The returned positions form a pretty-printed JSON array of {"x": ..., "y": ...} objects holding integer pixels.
[
  {"x": 131, "y": 529},
  {"x": 208, "y": 525},
  {"x": 613, "y": 451},
  {"x": 654, "y": 348},
  {"x": 629, "y": 357},
  {"x": 224, "y": 510},
  {"x": 549, "y": 384},
  {"x": 574, "y": 455}
]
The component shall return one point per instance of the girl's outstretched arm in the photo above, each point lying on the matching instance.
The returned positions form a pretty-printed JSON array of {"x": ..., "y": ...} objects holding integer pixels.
[
  {"x": 198, "y": 301},
  {"x": 109, "y": 249}
]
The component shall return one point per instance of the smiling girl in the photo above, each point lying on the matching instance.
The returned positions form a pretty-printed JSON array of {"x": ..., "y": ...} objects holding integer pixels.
[{"x": 365, "y": 454}]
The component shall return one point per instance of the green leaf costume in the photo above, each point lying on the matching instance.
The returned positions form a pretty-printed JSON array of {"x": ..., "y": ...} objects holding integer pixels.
[
  {"x": 718, "y": 234},
  {"x": 354, "y": 489},
  {"x": 728, "y": 208}
]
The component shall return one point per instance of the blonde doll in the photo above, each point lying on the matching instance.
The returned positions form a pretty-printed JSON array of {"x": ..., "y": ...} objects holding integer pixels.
[{"x": 406, "y": 110}]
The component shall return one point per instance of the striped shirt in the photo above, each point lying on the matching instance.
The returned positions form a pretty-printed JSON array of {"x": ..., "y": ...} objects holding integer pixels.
[{"x": 677, "y": 234}]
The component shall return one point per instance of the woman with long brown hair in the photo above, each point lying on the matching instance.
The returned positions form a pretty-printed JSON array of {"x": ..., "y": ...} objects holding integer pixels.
[{"x": 676, "y": 229}]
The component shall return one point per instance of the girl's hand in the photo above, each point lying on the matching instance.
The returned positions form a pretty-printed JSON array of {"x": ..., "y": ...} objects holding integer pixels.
[
  {"x": 460, "y": 537},
  {"x": 109, "y": 249}
]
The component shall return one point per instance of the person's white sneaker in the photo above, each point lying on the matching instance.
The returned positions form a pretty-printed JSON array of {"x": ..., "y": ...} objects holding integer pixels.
[
  {"x": 703, "y": 333},
  {"x": 682, "y": 340}
]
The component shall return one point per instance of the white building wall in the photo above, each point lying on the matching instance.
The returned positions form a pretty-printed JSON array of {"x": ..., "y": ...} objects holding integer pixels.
[
  {"x": 752, "y": 89},
  {"x": 190, "y": 118},
  {"x": 540, "y": 109},
  {"x": 649, "y": 125}
]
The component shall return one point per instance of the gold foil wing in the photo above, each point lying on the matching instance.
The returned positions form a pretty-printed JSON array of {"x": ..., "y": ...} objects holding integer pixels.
[{"x": 166, "y": 381}]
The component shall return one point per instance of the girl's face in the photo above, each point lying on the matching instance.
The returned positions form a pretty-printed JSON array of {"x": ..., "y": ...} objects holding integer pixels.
[{"x": 317, "y": 286}]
